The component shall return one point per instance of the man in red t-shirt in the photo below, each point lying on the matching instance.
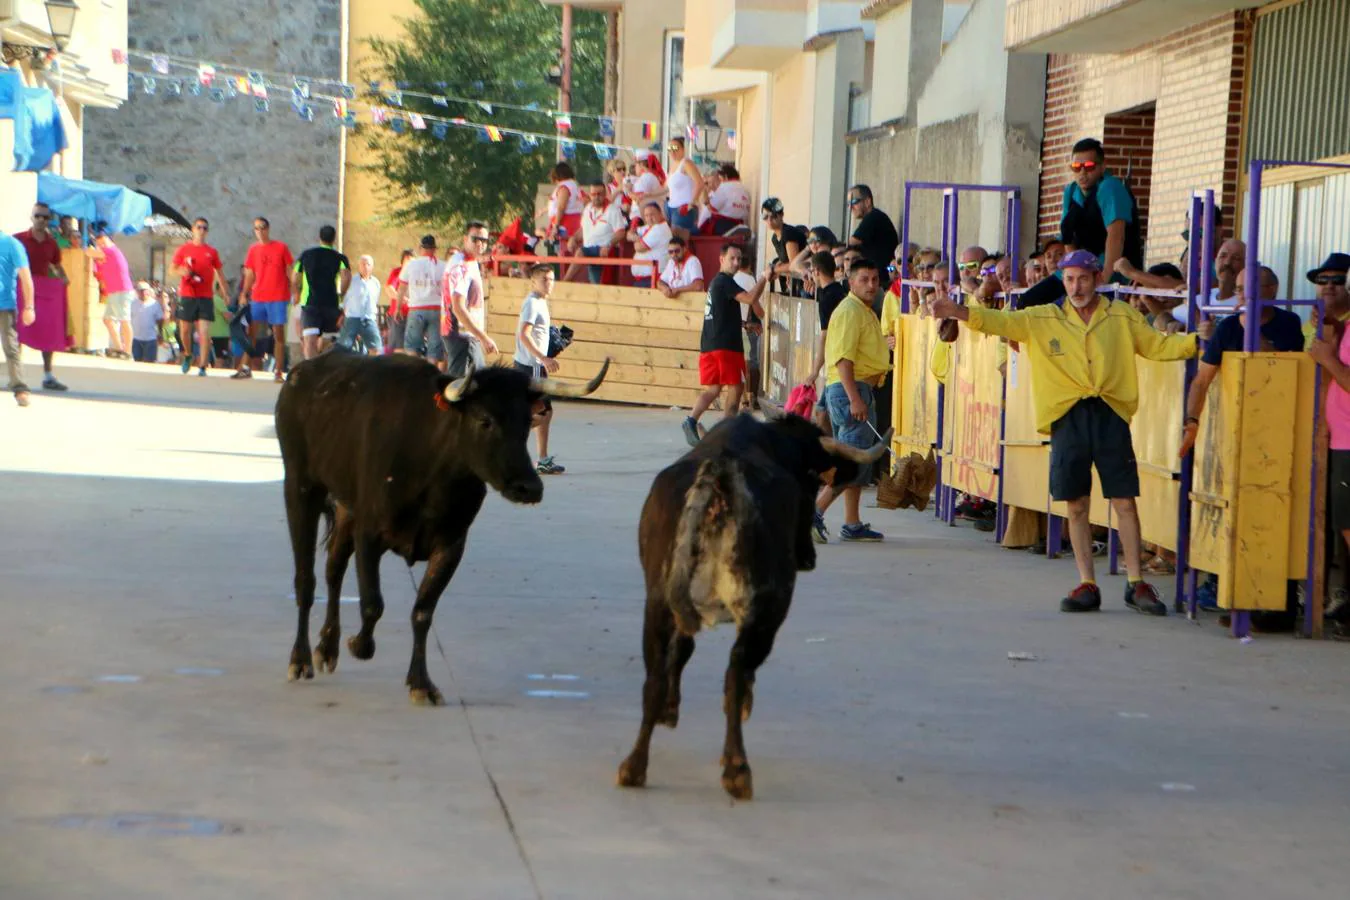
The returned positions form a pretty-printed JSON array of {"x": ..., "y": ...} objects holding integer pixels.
[
  {"x": 398, "y": 310},
  {"x": 197, "y": 264},
  {"x": 267, "y": 283},
  {"x": 44, "y": 261}
]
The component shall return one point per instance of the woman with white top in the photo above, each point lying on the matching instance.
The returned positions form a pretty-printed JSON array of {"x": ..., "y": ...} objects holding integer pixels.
[
  {"x": 685, "y": 184},
  {"x": 729, "y": 201},
  {"x": 650, "y": 242},
  {"x": 564, "y": 204},
  {"x": 648, "y": 185},
  {"x": 361, "y": 310}
]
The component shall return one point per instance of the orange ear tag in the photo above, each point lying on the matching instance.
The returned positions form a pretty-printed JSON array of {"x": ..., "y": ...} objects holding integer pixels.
[{"x": 441, "y": 402}]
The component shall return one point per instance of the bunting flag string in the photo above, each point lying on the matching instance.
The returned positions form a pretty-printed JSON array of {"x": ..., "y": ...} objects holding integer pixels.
[
  {"x": 395, "y": 97},
  {"x": 304, "y": 91}
]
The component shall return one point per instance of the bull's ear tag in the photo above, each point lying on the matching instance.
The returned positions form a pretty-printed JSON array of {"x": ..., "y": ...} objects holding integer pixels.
[{"x": 441, "y": 402}]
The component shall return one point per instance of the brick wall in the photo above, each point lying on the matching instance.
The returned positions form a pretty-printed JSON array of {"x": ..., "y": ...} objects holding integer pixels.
[{"x": 1194, "y": 78}]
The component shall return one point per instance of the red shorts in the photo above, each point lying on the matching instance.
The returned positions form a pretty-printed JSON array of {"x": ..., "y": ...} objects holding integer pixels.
[{"x": 721, "y": 367}]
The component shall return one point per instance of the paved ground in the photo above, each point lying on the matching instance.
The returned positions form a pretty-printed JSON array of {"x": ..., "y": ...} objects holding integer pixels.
[{"x": 897, "y": 751}]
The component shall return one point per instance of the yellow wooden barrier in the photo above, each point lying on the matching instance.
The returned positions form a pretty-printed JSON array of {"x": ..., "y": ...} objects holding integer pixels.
[
  {"x": 914, "y": 399},
  {"x": 1026, "y": 453},
  {"x": 653, "y": 340},
  {"x": 1251, "y": 487},
  {"x": 971, "y": 417}
]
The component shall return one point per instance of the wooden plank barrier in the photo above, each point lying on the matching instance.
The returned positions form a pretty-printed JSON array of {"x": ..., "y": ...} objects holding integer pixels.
[
  {"x": 652, "y": 339},
  {"x": 791, "y": 329},
  {"x": 914, "y": 399},
  {"x": 972, "y": 415}
]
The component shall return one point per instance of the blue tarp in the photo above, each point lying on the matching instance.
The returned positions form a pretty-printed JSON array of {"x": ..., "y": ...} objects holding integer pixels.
[
  {"x": 124, "y": 210},
  {"x": 38, "y": 132}
]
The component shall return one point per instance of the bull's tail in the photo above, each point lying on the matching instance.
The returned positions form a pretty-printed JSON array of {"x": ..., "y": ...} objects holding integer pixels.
[
  {"x": 706, "y": 579},
  {"x": 329, "y": 521}
]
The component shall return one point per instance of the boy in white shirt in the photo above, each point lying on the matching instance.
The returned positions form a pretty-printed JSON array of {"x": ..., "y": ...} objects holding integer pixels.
[
  {"x": 361, "y": 310},
  {"x": 532, "y": 357}
]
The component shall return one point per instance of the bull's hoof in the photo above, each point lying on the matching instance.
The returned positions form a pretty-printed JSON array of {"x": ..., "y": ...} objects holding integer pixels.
[
  {"x": 747, "y": 706},
  {"x": 427, "y": 696},
  {"x": 737, "y": 782},
  {"x": 326, "y": 658},
  {"x": 632, "y": 774},
  {"x": 671, "y": 717},
  {"x": 299, "y": 670},
  {"x": 361, "y": 647}
]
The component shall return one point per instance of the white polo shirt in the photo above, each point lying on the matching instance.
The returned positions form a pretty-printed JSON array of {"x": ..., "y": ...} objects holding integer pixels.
[
  {"x": 598, "y": 225},
  {"x": 732, "y": 200},
  {"x": 682, "y": 274},
  {"x": 423, "y": 276},
  {"x": 657, "y": 238}
]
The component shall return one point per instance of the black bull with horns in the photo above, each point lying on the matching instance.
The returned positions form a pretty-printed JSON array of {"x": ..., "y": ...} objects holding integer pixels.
[
  {"x": 724, "y": 531},
  {"x": 399, "y": 457}
]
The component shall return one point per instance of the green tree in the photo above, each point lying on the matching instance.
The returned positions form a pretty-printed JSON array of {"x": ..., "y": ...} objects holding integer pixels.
[{"x": 498, "y": 51}]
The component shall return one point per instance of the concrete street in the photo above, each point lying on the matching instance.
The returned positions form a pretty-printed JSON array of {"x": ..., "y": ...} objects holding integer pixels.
[{"x": 145, "y": 580}]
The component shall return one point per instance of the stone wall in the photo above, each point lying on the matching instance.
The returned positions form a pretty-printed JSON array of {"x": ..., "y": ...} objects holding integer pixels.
[{"x": 228, "y": 162}]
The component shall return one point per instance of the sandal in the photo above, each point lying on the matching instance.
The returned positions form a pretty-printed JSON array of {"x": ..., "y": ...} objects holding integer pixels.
[{"x": 1159, "y": 566}]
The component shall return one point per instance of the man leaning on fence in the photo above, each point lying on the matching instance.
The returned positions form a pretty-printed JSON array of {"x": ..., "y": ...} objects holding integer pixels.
[{"x": 1086, "y": 391}]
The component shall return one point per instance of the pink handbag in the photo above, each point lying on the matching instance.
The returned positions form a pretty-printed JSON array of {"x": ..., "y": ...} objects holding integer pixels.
[{"x": 801, "y": 400}]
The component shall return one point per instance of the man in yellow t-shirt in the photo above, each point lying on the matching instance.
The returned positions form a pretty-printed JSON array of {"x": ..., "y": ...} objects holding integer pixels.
[
  {"x": 1086, "y": 390},
  {"x": 856, "y": 362}
]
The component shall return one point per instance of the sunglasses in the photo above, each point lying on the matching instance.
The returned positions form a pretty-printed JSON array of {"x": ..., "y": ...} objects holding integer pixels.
[
  {"x": 38, "y": 217},
  {"x": 674, "y": 148},
  {"x": 1329, "y": 279},
  {"x": 200, "y": 228},
  {"x": 926, "y": 267},
  {"x": 854, "y": 201},
  {"x": 988, "y": 271},
  {"x": 481, "y": 238},
  {"x": 1082, "y": 166},
  {"x": 968, "y": 266}
]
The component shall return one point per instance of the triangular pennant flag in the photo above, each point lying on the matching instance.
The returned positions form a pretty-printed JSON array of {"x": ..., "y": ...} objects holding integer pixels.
[
  {"x": 306, "y": 112},
  {"x": 302, "y": 88},
  {"x": 378, "y": 115},
  {"x": 459, "y": 120},
  {"x": 478, "y": 86},
  {"x": 119, "y": 57},
  {"x": 231, "y": 91},
  {"x": 348, "y": 91},
  {"x": 604, "y": 151},
  {"x": 195, "y": 88},
  {"x": 486, "y": 107},
  {"x": 160, "y": 64},
  {"x": 439, "y": 130},
  {"x": 398, "y": 125},
  {"x": 260, "y": 104},
  {"x": 349, "y": 120},
  {"x": 494, "y": 133},
  {"x": 528, "y": 142},
  {"x": 649, "y": 131},
  {"x": 339, "y": 108},
  {"x": 147, "y": 84},
  {"x": 206, "y": 74},
  {"x": 731, "y": 140},
  {"x": 532, "y": 106},
  {"x": 607, "y": 128},
  {"x": 395, "y": 99},
  {"x": 564, "y": 122},
  {"x": 692, "y": 131},
  {"x": 241, "y": 86},
  {"x": 418, "y": 123},
  {"x": 374, "y": 87},
  {"x": 174, "y": 88},
  {"x": 440, "y": 101},
  {"x": 297, "y": 98},
  {"x": 257, "y": 84},
  {"x": 569, "y": 148},
  {"x": 217, "y": 95}
]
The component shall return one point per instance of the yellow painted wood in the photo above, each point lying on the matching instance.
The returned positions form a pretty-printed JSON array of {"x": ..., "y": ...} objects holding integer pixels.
[
  {"x": 974, "y": 405},
  {"x": 1156, "y": 430},
  {"x": 916, "y": 389},
  {"x": 1026, "y": 458}
]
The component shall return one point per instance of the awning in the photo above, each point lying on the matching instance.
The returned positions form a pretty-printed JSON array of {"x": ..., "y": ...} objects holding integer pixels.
[
  {"x": 121, "y": 209},
  {"x": 38, "y": 132}
]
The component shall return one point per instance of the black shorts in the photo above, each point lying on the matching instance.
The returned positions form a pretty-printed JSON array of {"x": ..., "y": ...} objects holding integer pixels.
[
  {"x": 1092, "y": 433},
  {"x": 1338, "y": 505},
  {"x": 196, "y": 309},
  {"x": 460, "y": 351},
  {"x": 533, "y": 371},
  {"x": 319, "y": 319}
]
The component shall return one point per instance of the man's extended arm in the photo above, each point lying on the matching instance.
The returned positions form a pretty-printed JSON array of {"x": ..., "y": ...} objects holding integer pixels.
[{"x": 1115, "y": 244}]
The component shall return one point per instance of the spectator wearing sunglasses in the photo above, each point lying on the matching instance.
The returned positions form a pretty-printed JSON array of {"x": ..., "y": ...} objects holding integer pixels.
[
  {"x": 788, "y": 241},
  {"x": 686, "y": 185},
  {"x": 1330, "y": 278},
  {"x": 1099, "y": 212},
  {"x": 818, "y": 239},
  {"x": 875, "y": 234},
  {"x": 48, "y": 333}
]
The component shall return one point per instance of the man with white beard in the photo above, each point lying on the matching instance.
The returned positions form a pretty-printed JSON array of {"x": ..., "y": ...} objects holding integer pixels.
[{"x": 1086, "y": 391}]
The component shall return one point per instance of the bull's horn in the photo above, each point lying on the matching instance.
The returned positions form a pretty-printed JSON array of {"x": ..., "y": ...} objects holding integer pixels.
[
  {"x": 456, "y": 390},
  {"x": 772, "y": 411},
  {"x": 856, "y": 455},
  {"x": 554, "y": 388}
]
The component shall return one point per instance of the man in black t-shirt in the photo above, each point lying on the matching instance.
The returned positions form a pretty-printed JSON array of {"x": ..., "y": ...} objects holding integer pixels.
[
  {"x": 320, "y": 279},
  {"x": 788, "y": 241},
  {"x": 721, "y": 356},
  {"x": 829, "y": 294},
  {"x": 875, "y": 233}
]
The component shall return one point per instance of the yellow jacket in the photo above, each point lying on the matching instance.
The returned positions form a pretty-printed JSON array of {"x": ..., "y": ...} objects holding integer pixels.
[{"x": 1071, "y": 361}]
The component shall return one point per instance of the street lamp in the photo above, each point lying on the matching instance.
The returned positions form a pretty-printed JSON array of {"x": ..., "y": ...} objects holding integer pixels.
[
  {"x": 61, "y": 21},
  {"x": 707, "y": 139}
]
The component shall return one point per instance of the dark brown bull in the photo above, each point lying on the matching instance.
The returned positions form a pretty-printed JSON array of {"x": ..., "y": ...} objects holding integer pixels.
[
  {"x": 399, "y": 457},
  {"x": 723, "y": 534}
]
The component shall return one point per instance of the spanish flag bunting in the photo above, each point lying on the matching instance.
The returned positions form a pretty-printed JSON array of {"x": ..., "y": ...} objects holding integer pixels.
[
  {"x": 339, "y": 108},
  {"x": 241, "y": 85},
  {"x": 494, "y": 133},
  {"x": 649, "y": 131},
  {"x": 206, "y": 74}
]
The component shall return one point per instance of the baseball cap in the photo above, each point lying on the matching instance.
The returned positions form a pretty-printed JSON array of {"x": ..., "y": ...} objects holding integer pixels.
[
  {"x": 428, "y": 242},
  {"x": 1336, "y": 262},
  {"x": 772, "y": 205},
  {"x": 1081, "y": 259}
]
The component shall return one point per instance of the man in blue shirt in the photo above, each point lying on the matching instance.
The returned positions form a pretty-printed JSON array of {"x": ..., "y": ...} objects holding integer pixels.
[
  {"x": 1099, "y": 211},
  {"x": 14, "y": 274}
]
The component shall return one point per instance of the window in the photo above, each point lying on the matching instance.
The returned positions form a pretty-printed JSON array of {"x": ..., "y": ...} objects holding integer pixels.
[{"x": 674, "y": 111}]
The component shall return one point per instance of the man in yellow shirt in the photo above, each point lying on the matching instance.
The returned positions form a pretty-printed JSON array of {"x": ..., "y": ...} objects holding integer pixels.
[
  {"x": 1086, "y": 391},
  {"x": 856, "y": 362}
]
